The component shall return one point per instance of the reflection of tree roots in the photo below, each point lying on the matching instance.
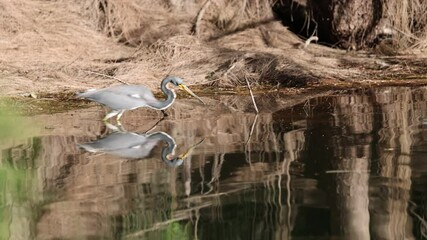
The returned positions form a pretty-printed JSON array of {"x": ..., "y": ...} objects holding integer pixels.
[
  {"x": 216, "y": 173},
  {"x": 423, "y": 223},
  {"x": 197, "y": 223},
  {"x": 209, "y": 184}
]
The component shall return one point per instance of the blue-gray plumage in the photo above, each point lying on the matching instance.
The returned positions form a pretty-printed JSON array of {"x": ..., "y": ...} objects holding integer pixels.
[
  {"x": 128, "y": 97},
  {"x": 137, "y": 146}
]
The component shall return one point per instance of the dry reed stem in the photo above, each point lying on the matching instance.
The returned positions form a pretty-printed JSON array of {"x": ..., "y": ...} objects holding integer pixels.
[
  {"x": 252, "y": 95},
  {"x": 199, "y": 17},
  {"x": 409, "y": 19}
]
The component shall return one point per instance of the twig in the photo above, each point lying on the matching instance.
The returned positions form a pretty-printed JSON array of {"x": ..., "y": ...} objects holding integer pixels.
[
  {"x": 252, "y": 95},
  {"x": 71, "y": 62},
  {"x": 230, "y": 68},
  {"x": 407, "y": 34},
  {"x": 199, "y": 17},
  {"x": 309, "y": 40},
  {"x": 105, "y": 75},
  {"x": 170, "y": 70}
]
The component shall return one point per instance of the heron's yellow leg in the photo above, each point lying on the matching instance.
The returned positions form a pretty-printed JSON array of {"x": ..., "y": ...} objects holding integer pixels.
[
  {"x": 110, "y": 115},
  {"x": 119, "y": 115}
]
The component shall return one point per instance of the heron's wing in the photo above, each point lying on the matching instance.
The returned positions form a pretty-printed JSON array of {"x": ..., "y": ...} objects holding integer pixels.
[
  {"x": 121, "y": 96},
  {"x": 117, "y": 140},
  {"x": 127, "y": 145},
  {"x": 137, "y": 151},
  {"x": 139, "y": 93}
]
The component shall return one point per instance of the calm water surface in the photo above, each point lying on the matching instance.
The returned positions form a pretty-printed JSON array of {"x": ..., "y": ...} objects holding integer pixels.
[{"x": 351, "y": 165}]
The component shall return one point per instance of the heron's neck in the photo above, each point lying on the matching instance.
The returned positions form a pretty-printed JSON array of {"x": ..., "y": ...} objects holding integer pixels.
[
  {"x": 170, "y": 97},
  {"x": 169, "y": 149}
]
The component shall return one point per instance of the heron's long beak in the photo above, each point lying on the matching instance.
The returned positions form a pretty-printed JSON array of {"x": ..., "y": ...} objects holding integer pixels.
[
  {"x": 190, "y": 149},
  {"x": 185, "y": 88}
]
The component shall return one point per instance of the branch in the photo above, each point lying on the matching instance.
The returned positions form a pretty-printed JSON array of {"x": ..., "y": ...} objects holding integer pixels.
[
  {"x": 105, "y": 75},
  {"x": 309, "y": 40}
]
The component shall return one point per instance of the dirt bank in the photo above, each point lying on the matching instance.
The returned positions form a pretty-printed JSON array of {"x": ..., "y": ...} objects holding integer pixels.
[{"x": 66, "y": 46}]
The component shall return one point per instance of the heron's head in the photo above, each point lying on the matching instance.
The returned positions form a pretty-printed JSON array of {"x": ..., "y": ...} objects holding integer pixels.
[
  {"x": 176, "y": 81},
  {"x": 175, "y": 162},
  {"x": 179, "y": 160},
  {"x": 180, "y": 83}
]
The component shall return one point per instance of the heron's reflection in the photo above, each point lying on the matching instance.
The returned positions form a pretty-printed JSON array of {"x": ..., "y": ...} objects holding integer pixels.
[{"x": 137, "y": 146}]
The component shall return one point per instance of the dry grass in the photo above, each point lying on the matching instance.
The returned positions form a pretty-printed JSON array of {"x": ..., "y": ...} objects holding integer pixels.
[
  {"x": 46, "y": 45},
  {"x": 408, "y": 19},
  {"x": 51, "y": 46},
  {"x": 143, "y": 21},
  {"x": 234, "y": 40}
]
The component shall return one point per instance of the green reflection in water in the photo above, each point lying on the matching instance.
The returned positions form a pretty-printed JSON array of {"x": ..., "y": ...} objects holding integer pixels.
[
  {"x": 175, "y": 231},
  {"x": 155, "y": 223},
  {"x": 17, "y": 180}
]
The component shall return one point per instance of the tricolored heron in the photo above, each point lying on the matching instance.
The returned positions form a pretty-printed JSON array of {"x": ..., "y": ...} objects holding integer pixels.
[
  {"x": 128, "y": 97},
  {"x": 138, "y": 146}
]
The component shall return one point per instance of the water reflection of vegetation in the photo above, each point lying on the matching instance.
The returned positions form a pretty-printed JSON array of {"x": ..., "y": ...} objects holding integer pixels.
[
  {"x": 154, "y": 222},
  {"x": 17, "y": 180},
  {"x": 301, "y": 174}
]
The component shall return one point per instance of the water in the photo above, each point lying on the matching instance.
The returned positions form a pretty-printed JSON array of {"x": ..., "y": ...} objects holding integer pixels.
[{"x": 348, "y": 165}]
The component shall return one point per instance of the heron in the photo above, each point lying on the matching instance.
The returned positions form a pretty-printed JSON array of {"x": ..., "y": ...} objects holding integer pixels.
[
  {"x": 138, "y": 146},
  {"x": 128, "y": 97}
]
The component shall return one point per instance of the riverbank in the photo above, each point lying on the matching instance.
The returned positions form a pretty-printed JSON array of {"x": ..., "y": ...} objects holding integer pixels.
[{"x": 54, "y": 48}]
